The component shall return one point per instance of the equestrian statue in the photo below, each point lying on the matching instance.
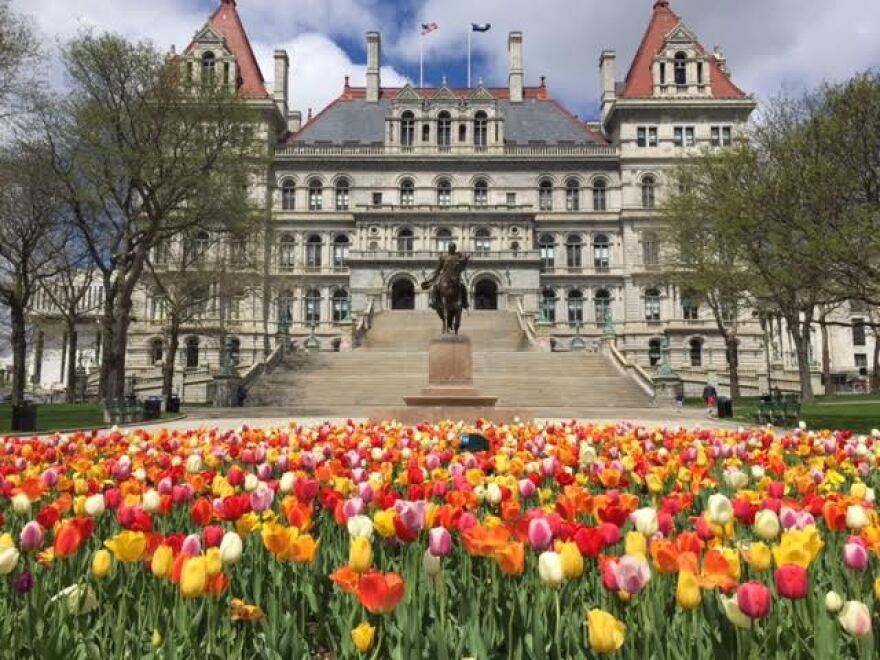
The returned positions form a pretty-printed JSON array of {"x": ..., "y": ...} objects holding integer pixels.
[{"x": 448, "y": 293}]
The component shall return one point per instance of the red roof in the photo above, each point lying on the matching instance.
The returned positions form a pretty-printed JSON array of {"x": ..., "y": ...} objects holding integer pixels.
[
  {"x": 227, "y": 22},
  {"x": 639, "y": 82}
]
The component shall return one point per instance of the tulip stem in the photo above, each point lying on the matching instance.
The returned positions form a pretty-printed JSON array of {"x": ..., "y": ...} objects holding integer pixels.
[{"x": 558, "y": 643}]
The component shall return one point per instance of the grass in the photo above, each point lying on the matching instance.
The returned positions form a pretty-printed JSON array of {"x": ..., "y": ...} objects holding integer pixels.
[
  {"x": 859, "y": 413},
  {"x": 58, "y": 416}
]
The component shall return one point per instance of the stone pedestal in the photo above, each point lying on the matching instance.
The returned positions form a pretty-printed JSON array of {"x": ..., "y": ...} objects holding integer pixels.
[
  {"x": 450, "y": 376},
  {"x": 667, "y": 388},
  {"x": 226, "y": 391}
]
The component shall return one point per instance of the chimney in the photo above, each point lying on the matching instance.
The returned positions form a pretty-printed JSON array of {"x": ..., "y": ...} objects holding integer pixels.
[
  {"x": 294, "y": 121},
  {"x": 279, "y": 85},
  {"x": 374, "y": 57},
  {"x": 514, "y": 49},
  {"x": 608, "y": 74}
]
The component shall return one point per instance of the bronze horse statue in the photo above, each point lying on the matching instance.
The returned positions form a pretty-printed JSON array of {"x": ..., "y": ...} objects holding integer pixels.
[{"x": 448, "y": 295}]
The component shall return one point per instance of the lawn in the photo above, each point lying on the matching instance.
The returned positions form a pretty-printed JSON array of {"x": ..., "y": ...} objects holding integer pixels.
[{"x": 59, "y": 416}]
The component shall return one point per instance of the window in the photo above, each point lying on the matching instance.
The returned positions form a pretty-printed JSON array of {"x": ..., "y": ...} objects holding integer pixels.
[
  {"x": 690, "y": 307},
  {"x": 237, "y": 250},
  {"x": 426, "y": 132},
  {"x": 405, "y": 242},
  {"x": 573, "y": 251},
  {"x": 511, "y": 199},
  {"x": 312, "y": 306},
  {"x": 858, "y": 332},
  {"x": 444, "y": 193},
  {"x": 192, "y": 352},
  {"x": 683, "y": 136},
  {"x": 316, "y": 195},
  {"x": 377, "y": 199},
  {"x": 288, "y": 195},
  {"x": 233, "y": 308},
  {"x": 700, "y": 73},
  {"x": 548, "y": 251},
  {"x": 652, "y": 305},
  {"x": 650, "y": 249},
  {"x": 235, "y": 351},
  {"x": 681, "y": 68},
  {"x": 156, "y": 351},
  {"x": 342, "y": 195},
  {"x": 861, "y": 363},
  {"x": 654, "y": 352},
  {"x": 646, "y": 136},
  {"x": 721, "y": 136},
  {"x": 444, "y": 131},
  {"x": 481, "y": 123},
  {"x": 285, "y": 307},
  {"x": 209, "y": 68},
  {"x": 407, "y": 193},
  {"x": 600, "y": 188},
  {"x": 340, "y": 251},
  {"x": 286, "y": 252},
  {"x": 462, "y": 132},
  {"x": 481, "y": 194},
  {"x": 341, "y": 306},
  {"x": 648, "y": 192},
  {"x": 407, "y": 129},
  {"x": 602, "y": 305},
  {"x": 548, "y": 306},
  {"x": 572, "y": 195},
  {"x": 575, "y": 307},
  {"x": 200, "y": 246},
  {"x": 545, "y": 195},
  {"x": 482, "y": 241},
  {"x": 696, "y": 346},
  {"x": 161, "y": 252},
  {"x": 314, "y": 247},
  {"x": 662, "y": 73},
  {"x": 157, "y": 307},
  {"x": 444, "y": 238},
  {"x": 601, "y": 252}
]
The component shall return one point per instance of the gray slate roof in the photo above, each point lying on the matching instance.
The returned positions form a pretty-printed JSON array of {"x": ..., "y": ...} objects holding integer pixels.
[{"x": 359, "y": 121}]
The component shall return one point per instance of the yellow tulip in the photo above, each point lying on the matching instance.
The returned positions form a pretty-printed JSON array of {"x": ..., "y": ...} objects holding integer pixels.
[
  {"x": 687, "y": 593},
  {"x": 758, "y": 556},
  {"x": 163, "y": 561},
  {"x": 572, "y": 560},
  {"x": 798, "y": 546},
  {"x": 194, "y": 577},
  {"x": 383, "y": 522},
  {"x": 654, "y": 483},
  {"x": 606, "y": 633},
  {"x": 732, "y": 557},
  {"x": 102, "y": 562},
  {"x": 213, "y": 561},
  {"x": 360, "y": 555},
  {"x": 247, "y": 523},
  {"x": 127, "y": 546},
  {"x": 362, "y": 636},
  {"x": 877, "y": 588},
  {"x": 636, "y": 544}
]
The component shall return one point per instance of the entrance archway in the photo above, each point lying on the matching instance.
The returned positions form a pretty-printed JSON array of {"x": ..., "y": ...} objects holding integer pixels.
[
  {"x": 403, "y": 294},
  {"x": 486, "y": 295}
]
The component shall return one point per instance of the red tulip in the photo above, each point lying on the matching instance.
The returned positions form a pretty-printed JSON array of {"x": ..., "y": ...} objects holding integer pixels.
[
  {"x": 380, "y": 593},
  {"x": 201, "y": 512},
  {"x": 792, "y": 581},
  {"x": 68, "y": 539},
  {"x": 213, "y": 535},
  {"x": 753, "y": 599}
]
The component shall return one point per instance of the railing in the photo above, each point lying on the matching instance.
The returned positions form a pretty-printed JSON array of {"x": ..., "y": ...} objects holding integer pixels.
[
  {"x": 364, "y": 324},
  {"x": 527, "y": 326},
  {"x": 259, "y": 368},
  {"x": 631, "y": 369},
  {"x": 444, "y": 208},
  {"x": 432, "y": 255},
  {"x": 501, "y": 150}
]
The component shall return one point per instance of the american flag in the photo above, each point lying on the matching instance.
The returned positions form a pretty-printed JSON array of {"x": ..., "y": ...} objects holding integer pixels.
[{"x": 428, "y": 28}]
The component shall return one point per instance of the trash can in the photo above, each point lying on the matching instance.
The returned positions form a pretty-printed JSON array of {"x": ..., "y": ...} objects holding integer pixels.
[
  {"x": 24, "y": 416},
  {"x": 152, "y": 408},
  {"x": 173, "y": 404},
  {"x": 725, "y": 407}
]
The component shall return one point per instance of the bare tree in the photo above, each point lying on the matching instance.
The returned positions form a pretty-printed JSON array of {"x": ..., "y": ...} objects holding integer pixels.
[{"x": 18, "y": 55}]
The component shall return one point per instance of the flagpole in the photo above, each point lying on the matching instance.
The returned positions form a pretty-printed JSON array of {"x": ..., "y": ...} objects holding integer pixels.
[
  {"x": 470, "y": 29},
  {"x": 422, "y": 62}
]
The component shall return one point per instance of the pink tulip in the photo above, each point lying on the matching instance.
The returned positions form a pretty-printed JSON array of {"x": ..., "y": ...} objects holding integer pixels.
[
  {"x": 526, "y": 488},
  {"x": 609, "y": 579},
  {"x": 31, "y": 537},
  {"x": 192, "y": 545},
  {"x": 412, "y": 514},
  {"x": 855, "y": 556},
  {"x": 540, "y": 534},
  {"x": 439, "y": 542},
  {"x": 261, "y": 499},
  {"x": 631, "y": 573},
  {"x": 352, "y": 507},
  {"x": 753, "y": 599},
  {"x": 466, "y": 521}
]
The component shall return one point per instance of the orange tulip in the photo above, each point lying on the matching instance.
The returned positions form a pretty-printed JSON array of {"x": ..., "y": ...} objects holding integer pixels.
[
  {"x": 303, "y": 549},
  {"x": 380, "y": 593},
  {"x": 716, "y": 572},
  {"x": 346, "y": 579},
  {"x": 484, "y": 541},
  {"x": 511, "y": 558},
  {"x": 68, "y": 539}
]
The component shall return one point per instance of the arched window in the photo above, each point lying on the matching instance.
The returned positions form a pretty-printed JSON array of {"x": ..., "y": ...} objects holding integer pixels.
[
  {"x": 342, "y": 194},
  {"x": 545, "y": 195},
  {"x": 341, "y": 306},
  {"x": 285, "y": 307},
  {"x": 200, "y": 246},
  {"x": 209, "y": 67},
  {"x": 548, "y": 306},
  {"x": 444, "y": 193},
  {"x": 481, "y": 193},
  {"x": 316, "y": 195},
  {"x": 601, "y": 252},
  {"x": 314, "y": 247},
  {"x": 444, "y": 238},
  {"x": 696, "y": 346},
  {"x": 547, "y": 245},
  {"x": 340, "y": 251},
  {"x": 407, "y": 129},
  {"x": 312, "y": 306},
  {"x": 481, "y": 130},
  {"x": 652, "y": 305},
  {"x": 426, "y": 132},
  {"x": 574, "y": 251},
  {"x": 407, "y": 193},
  {"x": 286, "y": 247},
  {"x": 654, "y": 353},
  {"x": 444, "y": 130},
  {"x": 690, "y": 307},
  {"x": 156, "y": 351},
  {"x": 157, "y": 307},
  {"x": 572, "y": 195},
  {"x": 288, "y": 195},
  {"x": 681, "y": 68},
  {"x": 602, "y": 305},
  {"x": 482, "y": 241},
  {"x": 600, "y": 188},
  {"x": 192, "y": 352},
  {"x": 650, "y": 249},
  {"x": 648, "y": 192},
  {"x": 405, "y": 242},
  {"x": 462, "y": 132},
  {"x": 575, "y": 307}
]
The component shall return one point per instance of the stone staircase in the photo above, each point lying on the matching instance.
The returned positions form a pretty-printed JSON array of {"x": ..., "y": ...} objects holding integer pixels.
[{"x": 393, "y": 363}]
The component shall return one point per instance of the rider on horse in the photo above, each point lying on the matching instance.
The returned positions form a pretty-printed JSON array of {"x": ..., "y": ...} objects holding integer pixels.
[{"x": 448, "y": 266}]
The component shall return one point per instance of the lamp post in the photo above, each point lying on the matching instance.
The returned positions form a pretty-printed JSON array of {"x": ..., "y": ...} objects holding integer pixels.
[
  {"x": 312, "y": 343},
  {"x": 578, "y": 343}
]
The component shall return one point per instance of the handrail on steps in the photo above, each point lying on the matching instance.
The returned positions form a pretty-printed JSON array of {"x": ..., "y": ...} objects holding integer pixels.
[
  {"x": 641, "y": 377},
  {"x": 527, "y": 326},
  {"x": 364, "y": 324}
]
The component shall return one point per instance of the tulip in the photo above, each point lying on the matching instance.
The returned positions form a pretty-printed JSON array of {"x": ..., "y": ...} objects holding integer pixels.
[
  {"x": 733, "y": 613},
  {"x": 431, "y": 563},
  {"x": 383, "y": 522},
  {"x": 21, "y": 504},
  {"x": 539, "y": 534},
  {"x": 855, "y": 556},
  {"x": 719, "y": 509},
  {"x": 631, "y": 573},
  {"x": 833, "y": 601},
  {"x": 360, "y": 555},
  {"x": 303, "y": 549},
  {"x": 855, "y": 618},
  {"x": 213, "y": 562},
  {"x": 362, "y": 636},
  {"x": 95, "y": 506},
  {"x": 687, "y": 591},
  {"x": 636, "y": 544},
  {"x": 766, "y": 525},
  {"x": 856, "y": 517},
  {"x": 192, "y": 545},
  {"x": 360, "y": 525},
  {"x": 150, "y": 501},
  {"x": 8, "y": 560},
  {"x": 102, "y": 562},
  {"x": 645, "y": 521},
  {"x": 572, "y": 560},
  {"x": 194, "y": 577},
  {"x": 792, "y": 581},
  {"x": 379, "y": 592},
  {"x": 605, "y": 633},
  {"x": 194, "y": 464},
  {"x": 162, "y": 562},
  {"x": 230, "y": 548},
  {"x": 753, "y": 599},
  {"x": 877, "y": 588},
  {"x": 78, "y": 598},
  {"x": 550, "y": 569},
  {"x": 758, "y": 556},
  {"x": 286, "y": 483},
  {"x": 31, "y": 537},
  {"x": 511, "y": 558},
  {"x": 127, "y": 546},
  {"x": 24, "y": 582},
  {"x": 439, "y": 541}
]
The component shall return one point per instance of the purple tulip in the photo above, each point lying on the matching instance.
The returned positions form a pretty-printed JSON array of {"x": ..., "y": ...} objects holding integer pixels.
[
  {"x": 261, "y": 499},
  {"x": 192, "y": 545},
  {"x": 166, "y": 486},
  {"x": 264, "y": 472},
  {"x": 412, "y": 514},
  {"x": 540, "y": 534},
  {"x": 439, "y": 542},
  {"x": 855, "y": 556},
  {"x": 24, "y": 582},
  {"x": 352, "y": 507},
  {"x": 631, "y": 573},
  {"x": 31, "y": 537}
]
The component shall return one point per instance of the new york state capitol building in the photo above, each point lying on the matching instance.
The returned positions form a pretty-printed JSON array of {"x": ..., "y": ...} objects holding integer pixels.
[{"x": 560, "y": 216}]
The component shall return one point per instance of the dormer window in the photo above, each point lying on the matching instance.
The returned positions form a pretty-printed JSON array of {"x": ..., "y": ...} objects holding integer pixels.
[
  {"x": 481, "y": 123},
  {"x": 444, "y": 130},
  {"x": 407, "y": 129},
  {"x": 681, "y": 68},
  {"x": 209, "y": 67}
]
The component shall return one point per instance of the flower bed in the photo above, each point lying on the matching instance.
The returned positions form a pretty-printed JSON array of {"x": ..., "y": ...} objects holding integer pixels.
[{"x": 565, "y": 540}]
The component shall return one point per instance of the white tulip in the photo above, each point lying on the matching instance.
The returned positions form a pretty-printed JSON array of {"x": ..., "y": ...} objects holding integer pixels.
[
  {"x": 360, "y": 526},
  {"x": 766, "y": 525},
  {"x": 95, "y": 505},
  {"x": 550, "y": 569},
  {"x": 150, "y": 501},
  {"x": 250, "y": 482},
  {"x": 720, "y": 509},
  {"x": 21, "y": 504},
  {"x": 285, "y": 484},
  {"x": 194, "y": 464},
  {"x": 645, "y": 521},
  {"x": 856, "y": 518},
  {"x": 230, "y": 548},
  {"x": 493, "y": 493}
]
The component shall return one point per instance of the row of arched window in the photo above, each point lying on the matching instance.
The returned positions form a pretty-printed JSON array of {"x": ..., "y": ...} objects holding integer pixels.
[
  {"x": 695, "y": 351},
  {"x": 340, "y": 306},
  {"x": 314, "y": 252},
  {"x": 480, "y": 137},
  {"x": 575, "y": 305}
]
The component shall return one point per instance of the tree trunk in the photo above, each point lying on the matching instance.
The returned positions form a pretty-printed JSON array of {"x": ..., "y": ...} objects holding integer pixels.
[
  {"x": 19, "y": 353},
  {"x": 800, "y": 334},
  {"x": 70, "y": 392},
  {"x": 731, "y": 350},
  {"x": 116, "y": 352},
  {"x": 765, "y": 323},
  {"x": 875, "y": 373},
  {"x": 106, "y": 337},
  {"x": 170, "y": 358},
  {"x": 826, "y": 357}
]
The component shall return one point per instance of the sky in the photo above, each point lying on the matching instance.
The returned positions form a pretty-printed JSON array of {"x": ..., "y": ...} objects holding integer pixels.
[{"x": 771, "y": 45}]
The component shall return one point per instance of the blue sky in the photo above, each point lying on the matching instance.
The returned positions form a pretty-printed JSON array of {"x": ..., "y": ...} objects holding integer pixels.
[{"x": 770, "y": 44}]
